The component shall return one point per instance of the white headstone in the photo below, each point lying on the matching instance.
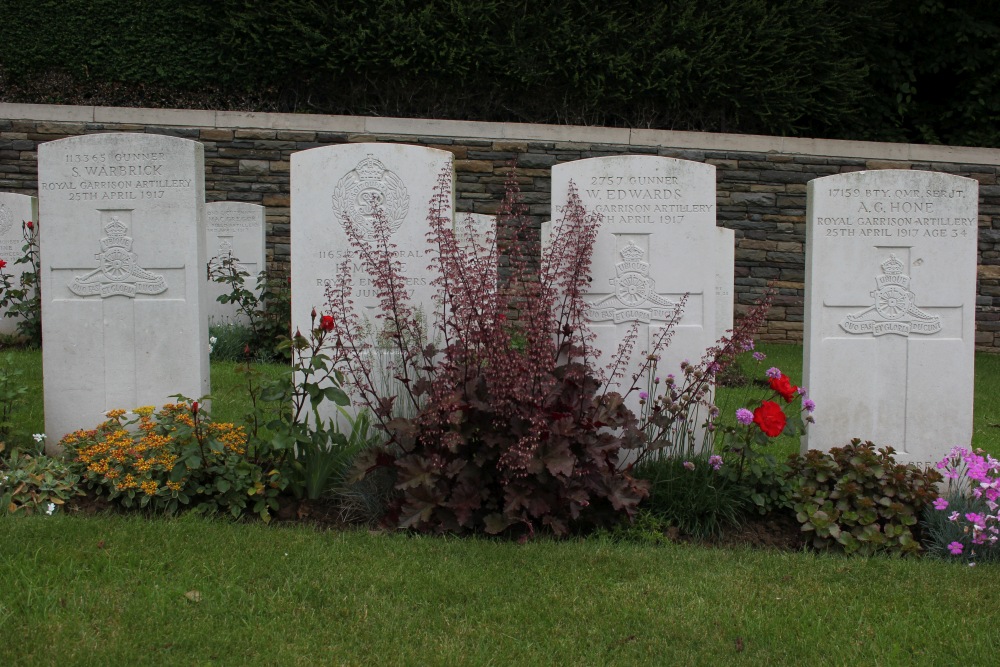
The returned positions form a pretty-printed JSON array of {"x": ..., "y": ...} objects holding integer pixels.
[
  {"x": 725, "y": 278},
  {"x": 658, "y": 242},
  {"x": 15, "y": 210},
  {"x": 476, "y": 229},
  {"x": 123, "y": 265},
  {"x": 889, "y": 313},
  {"x": 333, "y": 181},
  {"x": 233, "y": 229}
]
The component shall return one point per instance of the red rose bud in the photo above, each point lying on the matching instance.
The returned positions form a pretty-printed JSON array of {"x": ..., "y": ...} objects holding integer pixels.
[
  {"x": 246, "y": 350},
  {"x": 313, "y": 314},
  {"x": 29, "y": 224},
  {"x": 784, "y": 387},
  {"x": 194, "y": 408},
  {"x": 326, "y": 323}
]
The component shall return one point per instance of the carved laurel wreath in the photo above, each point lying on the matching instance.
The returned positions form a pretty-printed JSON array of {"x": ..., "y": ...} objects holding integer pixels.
[{"x": 397, "y": 201}]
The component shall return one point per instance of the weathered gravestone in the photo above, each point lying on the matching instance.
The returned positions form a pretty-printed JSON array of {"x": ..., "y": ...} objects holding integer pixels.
[
  {"x": 725, "y": 277},
  {"x": 351, "y": 180},
  {"x": 233, "y": 230},
  {"x": 15, "y": 210},
  {"x": 889, "y": 313},
  {"x": 657, "y": 242},
  {"x": 123, "y": 265}
]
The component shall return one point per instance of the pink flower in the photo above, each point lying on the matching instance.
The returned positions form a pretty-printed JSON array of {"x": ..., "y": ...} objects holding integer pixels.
[
  {"x": 744, "y": 416},
  {"x": 715, "y": 461},
  {"x": 688, "y": 465},
  {"x": 940, "y": 504},
  {"x": 773, "y": 372},
  {"x": 955, "y": 548},
  {"x": 976, "y": 519},
  {"x": 953, "y": 516}
]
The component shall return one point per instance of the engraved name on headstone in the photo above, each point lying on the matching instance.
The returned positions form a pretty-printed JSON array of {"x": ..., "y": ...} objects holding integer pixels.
[
  {"x": 890, "y": 308},
  {"x": 123, "y": 265}
]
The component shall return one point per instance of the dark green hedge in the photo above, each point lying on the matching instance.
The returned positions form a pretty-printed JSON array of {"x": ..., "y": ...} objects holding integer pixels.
[{"x": 903, "y": 70}]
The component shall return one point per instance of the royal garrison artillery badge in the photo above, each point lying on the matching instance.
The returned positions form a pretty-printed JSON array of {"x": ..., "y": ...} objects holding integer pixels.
[
  {"x": 118, "y": 273},
  {"x": 635, "y": 297},
  {"x": 894, "y": 311}
]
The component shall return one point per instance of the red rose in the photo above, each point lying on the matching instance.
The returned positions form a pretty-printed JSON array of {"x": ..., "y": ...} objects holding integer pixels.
[
  {"x": 326, "y": 323},
  {"x": 194, "y": 407},
  {"x": 29, "y": 224},
  {"x": 784, "y": 387},
  {"x": 2, "y": 263},
  {"x": 770, "y": 418}
]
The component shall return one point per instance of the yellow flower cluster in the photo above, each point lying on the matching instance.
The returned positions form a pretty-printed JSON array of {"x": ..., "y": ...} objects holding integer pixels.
[{"x": 137, "y": 455}]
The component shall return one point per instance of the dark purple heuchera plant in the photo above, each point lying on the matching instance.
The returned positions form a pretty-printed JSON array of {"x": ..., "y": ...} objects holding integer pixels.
[
  {"x": 511, "y": 431},
  {"x": 500, "y": 428}
]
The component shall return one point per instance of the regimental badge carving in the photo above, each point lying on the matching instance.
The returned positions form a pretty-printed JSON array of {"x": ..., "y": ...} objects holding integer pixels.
[
  {"x": 118, "y": 273},
  {"x": 6, "y": 220},
  {"x": 635, "y": 297},
  {"x": 367, "y": 188},
  {"x": 217, "y": 263},
  {"x": 894, "y": 311}
]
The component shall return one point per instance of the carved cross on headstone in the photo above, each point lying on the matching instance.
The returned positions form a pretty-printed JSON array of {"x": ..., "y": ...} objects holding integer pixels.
[
  {"x": 118, "y": 280},
  {"x": 892, "y": 319}
]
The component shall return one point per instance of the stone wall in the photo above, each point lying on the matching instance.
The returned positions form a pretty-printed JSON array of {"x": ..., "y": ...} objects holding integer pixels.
[{"x": 761, "y": 180}]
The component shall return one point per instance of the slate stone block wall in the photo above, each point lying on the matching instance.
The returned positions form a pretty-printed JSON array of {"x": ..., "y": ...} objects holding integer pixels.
[{"x": 761, "y": 190}]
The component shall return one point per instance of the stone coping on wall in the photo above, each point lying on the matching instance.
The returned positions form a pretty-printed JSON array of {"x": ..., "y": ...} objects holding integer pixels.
[{"x": 460, "y": 129}]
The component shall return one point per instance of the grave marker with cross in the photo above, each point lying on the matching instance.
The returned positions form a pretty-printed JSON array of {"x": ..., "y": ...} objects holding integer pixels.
[
  {"x": 123, "y": 261},
  {"x": 890, "y": 304},
  {"x": 657, "y": 242}
]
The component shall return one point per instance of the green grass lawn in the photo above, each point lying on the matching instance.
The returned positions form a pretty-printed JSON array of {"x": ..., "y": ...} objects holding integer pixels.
[{"x": 124, "y": 590}]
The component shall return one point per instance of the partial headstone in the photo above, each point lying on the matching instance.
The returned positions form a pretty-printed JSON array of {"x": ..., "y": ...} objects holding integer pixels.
[
  {"x": 15, "y": 210},
  {"x": 476, "y": 230},
  {"x": 889, "y": 312},
  {"x": 657, "y": 242},
  {"x": 725, "y": 278},
  {"x": 123, "y": 267},
  {"x": 237, "y": 230},
  {"x": 350, "y": 180}
]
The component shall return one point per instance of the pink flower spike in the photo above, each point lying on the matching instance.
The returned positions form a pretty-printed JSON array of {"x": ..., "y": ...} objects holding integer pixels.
[
  {"x": 955, "y": 548},
  {"x": 940, "y": 504}
]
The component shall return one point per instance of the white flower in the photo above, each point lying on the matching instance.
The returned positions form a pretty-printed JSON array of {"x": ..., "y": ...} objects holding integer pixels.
[
  {"x": 39, "y": 437},
  {"x": 213, "y": 340},
  {"x": 50, "y": 508}
]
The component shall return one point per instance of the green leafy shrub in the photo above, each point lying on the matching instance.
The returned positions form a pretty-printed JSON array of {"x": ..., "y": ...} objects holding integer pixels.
[
  {"x": 229, "y": 341},
  {"x": 489, "y": 434},
  {"x": 23, "y": 299},
  {"x": 31, "y": 483},
  {"x": 177, "y": 458},
  {"x": 859, "y": 500},
  {"x": 265, "y": 306}
]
